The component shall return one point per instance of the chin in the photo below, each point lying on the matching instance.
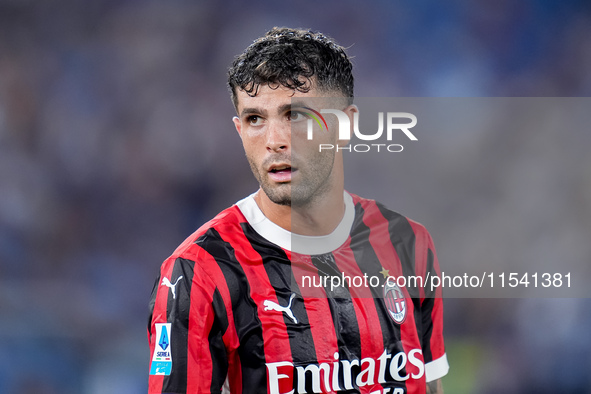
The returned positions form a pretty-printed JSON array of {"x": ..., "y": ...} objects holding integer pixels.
[
  {"x": 285, "y": 202},
  {"x": 278, "y": 196},
  {"x": 280, "y": 200}
]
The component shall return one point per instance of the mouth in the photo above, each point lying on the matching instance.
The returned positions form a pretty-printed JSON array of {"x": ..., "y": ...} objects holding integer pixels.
[{"x": 281, "y": 173}]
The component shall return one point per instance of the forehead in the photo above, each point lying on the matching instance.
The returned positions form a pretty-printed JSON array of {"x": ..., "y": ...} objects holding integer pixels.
[
  {"x": 268, "y": 98},
  {"x": 277, "y": 98}
]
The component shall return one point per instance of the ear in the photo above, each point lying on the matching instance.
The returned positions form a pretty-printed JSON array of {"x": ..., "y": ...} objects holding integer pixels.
[
  {"x": 237, "y": 125},
  {"x": 349, "y": 111}
]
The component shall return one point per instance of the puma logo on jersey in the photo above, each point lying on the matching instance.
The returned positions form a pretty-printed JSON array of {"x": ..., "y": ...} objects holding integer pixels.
[
  {"x": 172, "y": 287},
  {"x": 273, "y": 306}
]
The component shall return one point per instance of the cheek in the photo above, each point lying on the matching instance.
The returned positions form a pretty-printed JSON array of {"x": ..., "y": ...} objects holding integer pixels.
[
  {"x": 252, "y": 150},
  {"x": 251, "y": 139}
]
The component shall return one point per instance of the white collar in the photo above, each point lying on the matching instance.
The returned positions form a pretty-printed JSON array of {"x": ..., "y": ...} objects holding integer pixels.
[{"x": 302, "y": 244}]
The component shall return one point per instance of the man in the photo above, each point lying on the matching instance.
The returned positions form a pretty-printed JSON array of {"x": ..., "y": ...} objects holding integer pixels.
[{"x": 231, "y": 309}]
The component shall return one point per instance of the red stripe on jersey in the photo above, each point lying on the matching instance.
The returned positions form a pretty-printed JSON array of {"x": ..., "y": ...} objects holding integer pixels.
[
  {"x": 317, "y": 308},
  {"x": 159, "y": 315},
  {"x": 201, "y": 317},
  {"x": 410, "y": 341},
  {"x": 276, "y": 344},
  {"x": 420, "y": 253},
  {"x": 436, "y": 341},
  {"x": 437, "y": 344},
  {"x": 424, "y": 243},
  {"x": 230, "y": 337},
  {"x": 365, "y": 310},
  {"x": 379, "y": 238}
]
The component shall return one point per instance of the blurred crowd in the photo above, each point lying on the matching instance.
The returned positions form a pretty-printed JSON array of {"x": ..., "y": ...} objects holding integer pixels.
[{"x": 116, "y": 143}]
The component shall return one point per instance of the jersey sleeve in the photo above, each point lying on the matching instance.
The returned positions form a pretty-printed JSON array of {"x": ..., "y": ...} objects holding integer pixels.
[
  {"x": 436, "y": 364},
  {"x": 185, "y": 330}
]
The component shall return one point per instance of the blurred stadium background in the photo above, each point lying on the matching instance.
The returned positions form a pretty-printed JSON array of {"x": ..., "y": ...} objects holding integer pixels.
[{"x": 116, "y": 142}]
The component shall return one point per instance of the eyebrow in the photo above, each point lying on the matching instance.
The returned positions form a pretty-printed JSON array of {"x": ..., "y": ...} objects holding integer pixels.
[
  {"x": 247, "y": 111},
  {"x": 281, "y": 109},
  {"x": 284, "y": 108}
]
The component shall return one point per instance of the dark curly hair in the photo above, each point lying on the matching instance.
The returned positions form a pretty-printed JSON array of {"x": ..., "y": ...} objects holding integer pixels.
[{"x": 293, "y": 58}]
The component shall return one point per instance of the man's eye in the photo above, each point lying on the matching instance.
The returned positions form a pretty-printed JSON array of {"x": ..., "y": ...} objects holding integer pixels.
[
  {"x": 254, "y": 120},
  {"x": 296, "y": 116}
]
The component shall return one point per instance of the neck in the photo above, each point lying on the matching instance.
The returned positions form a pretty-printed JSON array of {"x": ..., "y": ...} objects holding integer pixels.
[
  {"x": 319, "y": 217},
  {"x": 315, "y": 219}
]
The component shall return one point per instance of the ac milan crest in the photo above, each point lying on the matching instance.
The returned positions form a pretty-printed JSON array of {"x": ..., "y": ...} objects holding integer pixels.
[{"x": 395, "y": 302}]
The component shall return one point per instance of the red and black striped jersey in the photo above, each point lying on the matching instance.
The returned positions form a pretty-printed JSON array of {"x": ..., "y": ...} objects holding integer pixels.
[{"x": 244, "y": 306}]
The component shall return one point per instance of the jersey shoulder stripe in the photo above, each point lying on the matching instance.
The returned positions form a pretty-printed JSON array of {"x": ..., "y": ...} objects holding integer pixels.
[{"x": 226, "y": 221}]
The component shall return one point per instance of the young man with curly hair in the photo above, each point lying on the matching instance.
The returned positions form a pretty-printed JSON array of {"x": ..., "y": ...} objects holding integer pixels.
[{"x": 230, "y": 311}]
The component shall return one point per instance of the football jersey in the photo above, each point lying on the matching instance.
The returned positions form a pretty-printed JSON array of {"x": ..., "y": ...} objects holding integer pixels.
[{"x": 244, "y": 306}]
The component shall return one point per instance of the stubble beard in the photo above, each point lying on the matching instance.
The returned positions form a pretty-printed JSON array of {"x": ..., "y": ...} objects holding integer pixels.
[{"x": 310, "y": 186}]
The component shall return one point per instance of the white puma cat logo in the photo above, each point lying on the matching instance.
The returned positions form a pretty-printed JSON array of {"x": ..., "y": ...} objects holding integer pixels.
[
  {"x": 273, "y": 306},
  {"x": 166, "y": 282}
]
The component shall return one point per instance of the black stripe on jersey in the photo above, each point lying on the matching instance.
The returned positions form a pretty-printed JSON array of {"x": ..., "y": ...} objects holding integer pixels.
[
  {"x": 369, "y": 263},
  {"x": 219, "y": 308},
  {"x": 427, "y": 321},
  {"x": 403, "y": 239},
  {"x": 176, "y": 382},
  {"x": 365, "y": 255},
  {"x": 248, "y": 326},
  {"x": 278, "y": 268},
  {"x": 217, "y": 349},
  {"x": 343, "y": 313}
]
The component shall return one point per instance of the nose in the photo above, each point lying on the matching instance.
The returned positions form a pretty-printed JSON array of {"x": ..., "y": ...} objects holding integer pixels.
[{"x": 278, "y": 137}]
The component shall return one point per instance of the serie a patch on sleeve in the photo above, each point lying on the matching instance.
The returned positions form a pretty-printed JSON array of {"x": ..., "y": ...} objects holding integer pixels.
[{"x": 162, "y": 359}]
